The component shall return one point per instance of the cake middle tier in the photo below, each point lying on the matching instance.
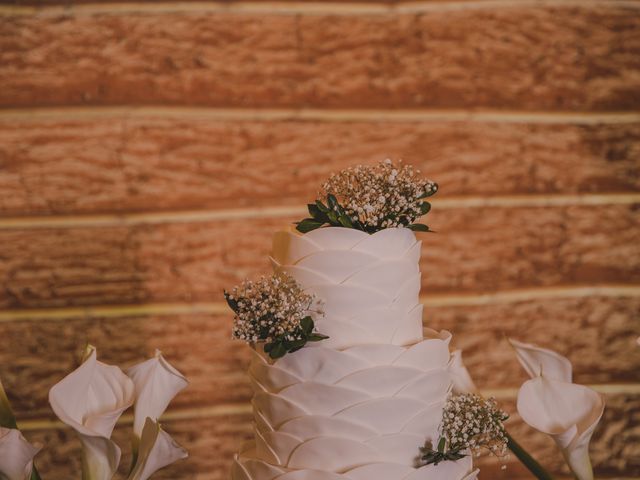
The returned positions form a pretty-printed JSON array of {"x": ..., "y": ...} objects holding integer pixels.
[
  {"x": 368, "y": 284},
  {"x": 324, "y": 409}
]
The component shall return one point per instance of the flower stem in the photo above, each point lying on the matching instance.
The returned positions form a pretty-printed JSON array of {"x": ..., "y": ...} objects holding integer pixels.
[{"x": 528, "y": 461}]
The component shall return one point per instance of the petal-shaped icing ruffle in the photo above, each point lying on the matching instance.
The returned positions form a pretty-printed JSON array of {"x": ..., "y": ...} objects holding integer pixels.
[
  {"x": 429, "y": 387},
  {"x": 426, "y": 355},
  {"x": 336, "y": 238},
  {"x": 348, "y": 300},
  {"x": 289, "y": 247},
  {"x": 322, "y": 365},
  {"x": 331, "y": 454},
  {"x": 337, "y": 265},
  {"x": 387, "y": 243},
  {"x": 386, "y": 276},
  {"x": 312, "y": 426},
  {"x": 385, "y": 415},
  {"x": 382, "y": 381},
  {"x": 275, "y": 409},
  {"x": 321, "y": 399},
  {"x": 374, "y": 471},
  {"x": 402, "y": 448}
]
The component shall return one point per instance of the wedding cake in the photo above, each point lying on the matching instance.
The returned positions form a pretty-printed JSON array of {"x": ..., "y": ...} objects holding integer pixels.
[{"x": 360, "y": 404}]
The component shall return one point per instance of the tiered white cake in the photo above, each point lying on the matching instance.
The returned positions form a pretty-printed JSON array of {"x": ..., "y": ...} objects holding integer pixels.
[{"x": 359, "y": 405}]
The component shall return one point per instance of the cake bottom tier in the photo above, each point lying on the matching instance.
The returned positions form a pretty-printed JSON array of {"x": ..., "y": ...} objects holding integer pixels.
[
  {"x": 361, "y": 413},
  {"x": 247, "y": 467}
]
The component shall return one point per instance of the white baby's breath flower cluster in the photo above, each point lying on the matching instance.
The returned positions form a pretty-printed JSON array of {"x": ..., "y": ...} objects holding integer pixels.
[
  {"x": 472, "y": 422},
  {"x": 380, "y": 196},
  {"x": 275, "y": 310}
]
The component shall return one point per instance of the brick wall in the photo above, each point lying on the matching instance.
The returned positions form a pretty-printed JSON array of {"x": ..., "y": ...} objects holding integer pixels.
[{"x": 148, "y": 150}]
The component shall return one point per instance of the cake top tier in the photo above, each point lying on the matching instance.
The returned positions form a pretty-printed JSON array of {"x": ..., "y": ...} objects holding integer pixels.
[{"x": 369, "y": 284}]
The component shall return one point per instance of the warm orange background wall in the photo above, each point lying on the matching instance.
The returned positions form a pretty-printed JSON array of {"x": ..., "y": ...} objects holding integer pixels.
[{"x": 148, "y": 151}]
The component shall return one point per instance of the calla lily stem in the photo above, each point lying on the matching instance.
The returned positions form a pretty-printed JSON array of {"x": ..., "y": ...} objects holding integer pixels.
[
  {"x": 34, "y": 474},
  {"x": 528, "y": 461}
]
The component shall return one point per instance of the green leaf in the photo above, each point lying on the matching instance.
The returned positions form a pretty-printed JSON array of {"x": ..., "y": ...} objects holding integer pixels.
[
  {"x": 333, "y": 218},
  {"x": 308, "y": 224},
  {"x": 307, "y": 325},
  {"x": 295, "y": 344},
  {"x": 345, "y": 221},
  {"x": 441, "y": 444},
  {"x": 425, "y": 207},
  {"x": 316, "y": 337},
  {"x": 322, "y": 207},
  {"x": 268, "y": 347},
  {"x": 332, "y": 201},
  {"x": 418, "y": 227},
  {"x": 314, "y": 211},
  {"x": 233, "y": 304},
  {"x": 278, "y": 351}
]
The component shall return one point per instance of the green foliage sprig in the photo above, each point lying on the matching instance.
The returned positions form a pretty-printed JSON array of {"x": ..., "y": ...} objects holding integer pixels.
[
  {"x": 334, "y": 215},
  {"x": 371, "y": 198}
]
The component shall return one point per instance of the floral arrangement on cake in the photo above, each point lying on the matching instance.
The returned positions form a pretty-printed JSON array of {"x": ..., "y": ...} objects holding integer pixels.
[
  {"x": 470, "y": 424},
  {"x": 274, "y": 310},
  {"x": 371, "y": 198},
  {"x": 90, "y": 400}
]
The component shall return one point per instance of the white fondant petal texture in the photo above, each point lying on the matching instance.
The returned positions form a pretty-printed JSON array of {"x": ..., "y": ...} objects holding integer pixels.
[{"x": 359, "y": 405}]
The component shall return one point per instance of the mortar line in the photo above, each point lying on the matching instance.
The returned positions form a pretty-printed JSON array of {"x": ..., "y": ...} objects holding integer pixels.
[
  {"x": 220, "y": 308},
  {"x": 317, "y": 114},
  {"x": 298, "y": 8},
  {"x": 197, "y": 216}
]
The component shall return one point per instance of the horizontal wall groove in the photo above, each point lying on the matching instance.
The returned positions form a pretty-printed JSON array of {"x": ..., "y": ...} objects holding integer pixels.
[
  {"x": 225, "y": 410},
  {"x": 199, "y": 216},
  {"x": 316, "y": 114},
  {"x": 216, "y": 308},
  {"x": 297, "y": 8}
]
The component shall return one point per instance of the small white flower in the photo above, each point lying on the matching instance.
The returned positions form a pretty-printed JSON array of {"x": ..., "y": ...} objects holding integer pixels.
[
  {"x": 90, "y": 400},
  {"x": 16, "y": 455},
  {"x": 157, "y": 450},
  {"x": 156, "y": 383}
]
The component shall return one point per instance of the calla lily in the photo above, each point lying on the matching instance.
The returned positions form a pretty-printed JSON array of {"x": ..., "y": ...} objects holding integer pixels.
[
  {"x": 156, "y": 383},
  {"x": 462, "y": 382},
  {"x": 90, "y": 400},
  {"x": 157, "y": 450},
  {"x": 568, "y": 413},
  {"x": 550, "y": 403},
  {"x": 16, "y": 455},
  {"x": 536, "y": 361}
]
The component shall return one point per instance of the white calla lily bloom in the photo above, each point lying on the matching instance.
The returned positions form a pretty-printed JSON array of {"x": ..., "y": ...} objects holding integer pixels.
[
  {"x": 568, "y": 413},
  {"x": 90, "y": 400},
  {"x": 550, "y": 403},
  {"x": 156, "y": 383},
  {"x": 16, "y": 455},
  {"x": 157, "y": 450},
  {"x": 536, "y": 361},
  {"x": 462, "y": 382}
]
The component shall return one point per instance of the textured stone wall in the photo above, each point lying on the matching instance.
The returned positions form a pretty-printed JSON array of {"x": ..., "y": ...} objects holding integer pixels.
[{"x": 148, "y": 151}]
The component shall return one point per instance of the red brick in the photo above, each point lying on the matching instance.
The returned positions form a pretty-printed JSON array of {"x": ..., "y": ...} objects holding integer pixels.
[
  {"x": 531, "y": 58},
  {"x": 149, "y": 164}
]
